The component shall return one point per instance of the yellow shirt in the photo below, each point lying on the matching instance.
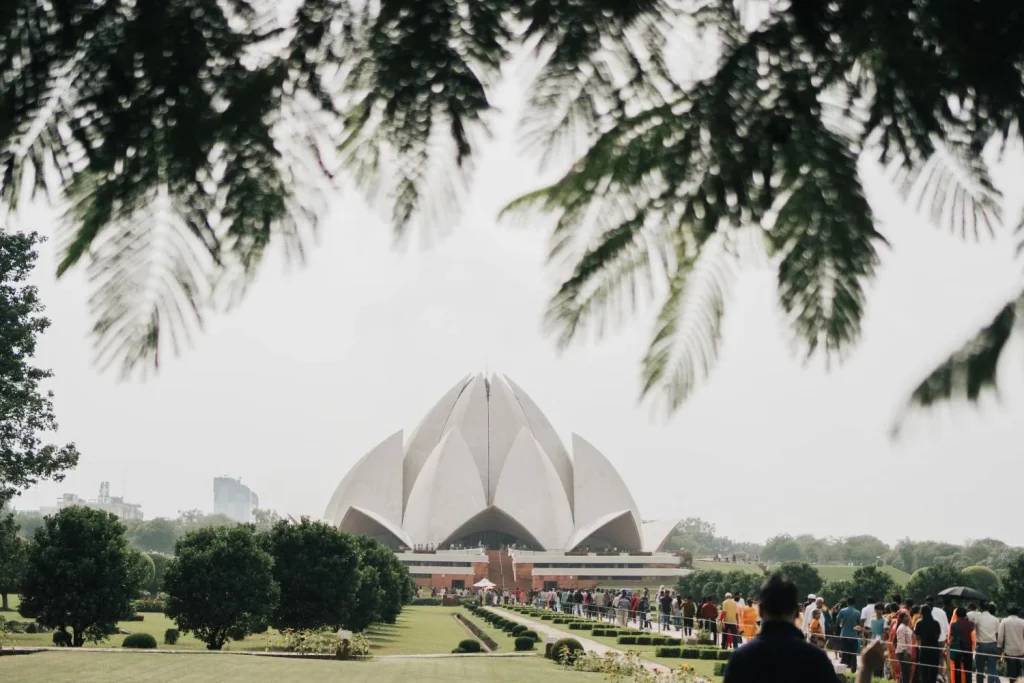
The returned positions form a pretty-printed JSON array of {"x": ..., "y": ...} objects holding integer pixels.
[{"x": 730, "y": 612}]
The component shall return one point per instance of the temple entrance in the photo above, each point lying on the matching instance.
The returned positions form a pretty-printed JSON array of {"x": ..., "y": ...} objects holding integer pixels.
[{"x": 494, "y": 529}]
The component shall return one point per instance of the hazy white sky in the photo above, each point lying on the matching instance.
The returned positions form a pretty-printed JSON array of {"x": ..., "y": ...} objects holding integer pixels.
[{"x": 320, "y": 364}]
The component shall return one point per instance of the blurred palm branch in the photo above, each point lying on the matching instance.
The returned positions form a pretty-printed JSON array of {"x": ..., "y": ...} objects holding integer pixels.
[{"x": 186, "y": 137}]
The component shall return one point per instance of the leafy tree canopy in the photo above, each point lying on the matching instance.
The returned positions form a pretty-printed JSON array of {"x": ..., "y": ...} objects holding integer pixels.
[
  {"x": 189, "y": 136},
  {"x": 806, "y": 577},
  {"x": 13, "y": 558},
  {"x": 26, "y": 409},
  {"x": 317, "y": 569},
  {"x": 928, "y": 582},
  {"x": 81, "y": 574},
  {"x": 220, "y": 585}
]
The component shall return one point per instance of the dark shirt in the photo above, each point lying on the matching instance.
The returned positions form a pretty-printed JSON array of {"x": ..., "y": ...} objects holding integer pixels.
[
  {"x": 928, "y": 632},
  {"x": 779, "y": 655}
]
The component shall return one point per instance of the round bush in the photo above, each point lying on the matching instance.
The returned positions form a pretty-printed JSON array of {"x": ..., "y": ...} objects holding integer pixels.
[
  {"x": 529, "y": 634},
  {"x": 142, "y": 641},
  {"x": 61, "y": 639},
  {"x": 524, "y": 643},
  {"x": 565, "y": 650},
  {"x": 171, "y": 636},
  {"x": 517, "y": 629},
  {"x": 470, "y": 645}
]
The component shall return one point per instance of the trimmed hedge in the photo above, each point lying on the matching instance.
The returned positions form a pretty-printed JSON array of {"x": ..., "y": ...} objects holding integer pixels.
[
  {"x": 547, "y": 617},
  {"x": 690, "y": 653},
  {"x": 586, "y": 626},
  {"x": 643, "y": 640},
  {"x": 470, "y": 645},
  {"x": 171, "y": 636},
  {"x": 667, "y": 651},
  {"x": 141, "y": 641},
  {"x": 724, "y": 655},
  {"x": 572, "y": 649},
  {"x": 517, "y": 629},
  {"x": 426, "y": 602},
  {"x": 524, "y": 643},
  {"x": 559, "y": 620},
  {"x": 528, "y": 633},
  {"x": 626, "y": 640},
  {"x": 720, "y": 669},
  {"x": 709, "y": 654}
]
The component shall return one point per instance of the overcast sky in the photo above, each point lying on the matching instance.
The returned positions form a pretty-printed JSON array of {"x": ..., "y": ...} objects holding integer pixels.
[{"x": 320, "y": 364}]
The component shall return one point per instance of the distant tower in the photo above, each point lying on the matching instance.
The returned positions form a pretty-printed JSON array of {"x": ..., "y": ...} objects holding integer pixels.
[{"x": 104, "y": 492}]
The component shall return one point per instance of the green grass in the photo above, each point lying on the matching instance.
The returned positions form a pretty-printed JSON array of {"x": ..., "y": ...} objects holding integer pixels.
[
  {"x": 419, "y": 630},
  {"x": 83, "y": 667},
  {"x": 832, "y": 572}
]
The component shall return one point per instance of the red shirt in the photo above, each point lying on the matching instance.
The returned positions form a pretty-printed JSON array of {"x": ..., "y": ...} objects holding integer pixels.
[{"x": 709, "y": 610}]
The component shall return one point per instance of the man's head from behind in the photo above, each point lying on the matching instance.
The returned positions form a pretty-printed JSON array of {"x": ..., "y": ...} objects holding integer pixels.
[{"x": 778, "y": 599}]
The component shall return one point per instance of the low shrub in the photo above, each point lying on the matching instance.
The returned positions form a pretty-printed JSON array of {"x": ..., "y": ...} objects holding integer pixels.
[
  {"x": 426, "y": 602},
  {"x": 150, "y": 605},
  {"x": 528, "y": 633},
  {"x": 15, "y": 626},
  {"x": 723, "y": 655},
  {"x": 141, "y": 641},
  {"x": 558, "y": 620},
  {"x": 171, "y": 636},
  {"x": 524, "y": 643},
  {"x": 662, "y": 640},
  {"x": 626, "y": 640},
  {"x": 134, "y": 617},
  {"x": 643, "y": 640},
  {"x": 546, "y": 617},
  {"x": 586, "y": 626},
  {"x": 517, "y": 629},
  {"x": 720, "y": 669},
  {"x": 667, "y": 651},
  {"x": 573, "y": 626},
  {"x": 508, "y": 626},
  {"x": 690, "y": 653},
  {"x": 470, "y": 645},
  {"x": 565, "y": 650},
  {"x": 709, "y": 653},
  {"x": 61, "y": 639}
]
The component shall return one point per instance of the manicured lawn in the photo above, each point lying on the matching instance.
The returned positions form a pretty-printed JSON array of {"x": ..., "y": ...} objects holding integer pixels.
[
  {"x": 834, "y": 572},
  {"x": 505, "y": 642},
  {"x": 84, "y": 667},
  {"x": 419, "y": 630}
]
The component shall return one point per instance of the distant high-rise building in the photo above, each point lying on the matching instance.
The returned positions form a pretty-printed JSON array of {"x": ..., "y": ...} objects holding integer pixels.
[{"x": 233, "y": 499}]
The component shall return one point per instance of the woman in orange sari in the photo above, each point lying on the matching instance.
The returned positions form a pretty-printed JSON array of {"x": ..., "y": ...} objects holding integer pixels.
[{"x": 748, "y": 620}]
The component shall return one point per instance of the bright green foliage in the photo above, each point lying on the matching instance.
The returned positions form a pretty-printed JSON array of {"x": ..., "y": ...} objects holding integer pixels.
[
  {"x": 317, "y": 569},
  {"x": 220, "y": 586},
  {"x": 981, "y": 579},
  {"x": 81, "y": 574},
  {"x": 13, "y": 558},
  {"x": 806, "y": 577},
  {"x": 929, "y": 581},
  {"x": 140, "y": 641},
  {"x": 872, "y": 582},
  {"x": 1012, "y": 580},
  {"x": 26, "y": 409},
  {"x": 144, "y": 570}
]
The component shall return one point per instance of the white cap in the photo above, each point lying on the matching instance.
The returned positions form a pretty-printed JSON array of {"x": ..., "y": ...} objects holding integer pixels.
[
  {"x": 728, "y": 595},
  {"x": 812, "y": 596},
  {"x": 819, "y": 599}
]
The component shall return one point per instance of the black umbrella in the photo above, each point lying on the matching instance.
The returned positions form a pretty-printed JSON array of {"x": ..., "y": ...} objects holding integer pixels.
[{"x": 965, "y": 593}]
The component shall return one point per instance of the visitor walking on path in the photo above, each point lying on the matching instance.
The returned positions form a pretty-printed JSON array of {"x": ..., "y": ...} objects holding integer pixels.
[
  {"x": 689, "y": 614},
  {"x": 1010, "y": 640},
  {"x": 986, "y": 629},
  {"x": 848, "y": 623},
  {"x": 904, "y": 646},
  {"x": 730, "y": 622},
  {"x": 780, "y": 654},
  {"x": 961, "y": 647},
  {"x": 748, "y": 619},
  {"x": 709, "y": 615},
  {"x": 929, "y": 653},
  {"x": 664, "y": 609}
]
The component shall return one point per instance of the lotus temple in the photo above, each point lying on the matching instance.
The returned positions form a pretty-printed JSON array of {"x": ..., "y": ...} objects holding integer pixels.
[{"x": 484, "y": 488}]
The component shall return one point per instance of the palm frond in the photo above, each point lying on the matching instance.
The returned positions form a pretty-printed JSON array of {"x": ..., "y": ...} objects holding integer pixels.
[
  {"x": 688, "y": 329},
  {"x": 970, "y": 370},
  {"x": 953, "y": 187}
]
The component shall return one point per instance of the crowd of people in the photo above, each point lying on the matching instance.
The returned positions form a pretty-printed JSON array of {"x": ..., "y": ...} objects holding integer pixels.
[{"x": 918, "y": 642}]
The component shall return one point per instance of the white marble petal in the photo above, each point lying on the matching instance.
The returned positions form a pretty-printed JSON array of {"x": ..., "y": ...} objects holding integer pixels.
[
  {"x": 599, "y": 488},
  {"x": 617, "y": 528},
  {"x": 656, "y": 532},
  {"x": 469, "y": 417},
  {"x": 505, "y": 421},
  {"x": 546, "y": 435},
  {"x": 426, "y": 435},
  {"x": 447, "y": 493},
  {"x": 375, "y": 483},
  {"x": 531, "y": 492},
  {"x": 359, "y": 520}
]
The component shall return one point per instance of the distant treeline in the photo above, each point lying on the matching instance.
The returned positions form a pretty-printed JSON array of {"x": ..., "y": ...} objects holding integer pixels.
[
  {"x": 159, "y": 534},
  {"x": 699, "y": 536}
]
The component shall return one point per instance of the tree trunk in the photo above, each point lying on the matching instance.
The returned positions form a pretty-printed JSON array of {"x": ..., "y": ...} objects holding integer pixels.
[
  {"x": 78, "y": 639},
  {"x": 4, "y": 606}
]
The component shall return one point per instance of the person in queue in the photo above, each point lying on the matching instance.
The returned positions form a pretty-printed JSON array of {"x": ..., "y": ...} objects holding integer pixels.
[{"x": 781, "y": 654}]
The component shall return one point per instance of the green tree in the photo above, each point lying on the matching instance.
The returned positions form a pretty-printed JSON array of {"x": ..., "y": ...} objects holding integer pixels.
[
  {"x": 929, "y": 581},
  {"x": 872, "y": 582},
  {"x": 836, "y": 592},
  {"x": 317, "y": 569},
  {"x": 368, "y": 599},
  {"x": 81, "y": 574},
  {"x": 981, "y": 579},
  {"x": 863, "y": 549},
  {"x": 154, "y": 535},
  {"x": 13, "y": 559},
  {"x": 213, "y": 164},
  {"x": 782, "y": 548},
  {"x": 1012, "y": 581},
  {"x": 396, "y": 588},
  {"x": 29, "y": 524},
  {"x": 160, "y": 562},
  {"x": 264, "y": 519},
  {"x": 26, "y": 409},
  {"x": 220, "y": 585},
  {"x": 806, "y": 577},
  {"x": 143, "y": 570}
]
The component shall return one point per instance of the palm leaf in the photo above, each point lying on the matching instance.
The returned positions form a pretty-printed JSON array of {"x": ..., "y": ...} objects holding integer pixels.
[
  {"x": 688, "y": 329},
  {"x": 972, "y": 368}
]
